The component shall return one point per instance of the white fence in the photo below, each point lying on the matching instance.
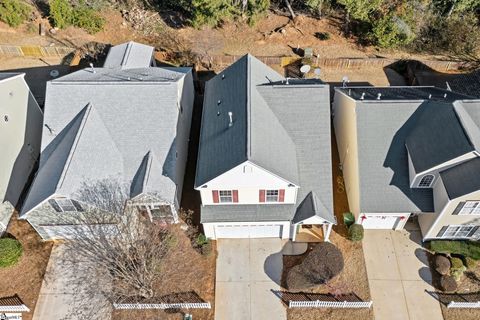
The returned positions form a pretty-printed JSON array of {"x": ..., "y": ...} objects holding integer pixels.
[
  {"x": 454, "y": 304},
  {"x": 19, "y": 308},
  {"x": 329, "y": 304},
  {"x": 203, "y": 305}
]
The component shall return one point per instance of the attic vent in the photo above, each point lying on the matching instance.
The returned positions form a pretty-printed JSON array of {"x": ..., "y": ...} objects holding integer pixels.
[
  {"x": 379, "y": 96},
  {"x": 363, "y": 96}
]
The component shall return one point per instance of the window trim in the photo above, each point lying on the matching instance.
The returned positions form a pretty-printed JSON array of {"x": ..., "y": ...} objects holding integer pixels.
[
  {"x": 458, "y": 230},
  {"x": 427, "y": 176},
  {"x": 472, "y": 210},
  {"x": 225, "y": 196},
  {"x": 277, "y": 191}
]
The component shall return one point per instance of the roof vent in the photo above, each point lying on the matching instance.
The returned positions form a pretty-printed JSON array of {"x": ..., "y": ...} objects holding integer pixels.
[
  {"x": 379, "y": 96},
  {"x": 230, "y": 115},
  {"x": 218, "y": 113},
  {"x": 286, "y": 82},
  {"x": 223, "y": 76},
  {"x": 219, "y": 102},
  {"x": 430, "y": 96},
  {"x": 445, "y": 96},
  {"x": 92, "y": 68},
  {"x": 52, "y": 132},
  {"x": 129, "y": 79},
  {"x": 345, "y": 81},
  {"x": 363, "y": 96}
]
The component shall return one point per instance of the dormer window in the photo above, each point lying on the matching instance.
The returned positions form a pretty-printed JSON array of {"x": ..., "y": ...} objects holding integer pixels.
[
  {"x": 426, "y": 181},
  {"x": 65, "y": 205}
]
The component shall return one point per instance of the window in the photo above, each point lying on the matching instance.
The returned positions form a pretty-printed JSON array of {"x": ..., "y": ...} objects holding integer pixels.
[
  {"x": 426, "y": 181},
  {"x": 271, "y": 195},
  {"x": 470, "y": 207},
  {"x": 226, "y": 196},
  {"x": 459, "y": 231},
  {"x": 65, "y": 205}
]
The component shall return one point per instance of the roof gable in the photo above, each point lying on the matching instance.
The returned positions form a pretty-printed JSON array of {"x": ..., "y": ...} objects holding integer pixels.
[
  {"x": 129, "y": 55},
  {"x": 312, "y": 206}
]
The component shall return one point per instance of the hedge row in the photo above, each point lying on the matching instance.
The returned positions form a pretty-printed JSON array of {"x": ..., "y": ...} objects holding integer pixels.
[{"x": 465, "y": 248}]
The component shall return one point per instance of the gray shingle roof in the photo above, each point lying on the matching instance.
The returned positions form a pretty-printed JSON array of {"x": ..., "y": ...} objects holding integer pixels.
[
  {"x": 129, "y": 55},
  {"x": 382, "y": 128},
  {"x": 312, "y": 206},
  {"x": 437, "y": 137},
  {"x": 462, "y": 179},
  {"x": 247, "y": 213},
  {"x": 283, "y": 128},
  {"x": 124, "y": 121},
  {"x": 468, "y": 84},
  {"x": 402, "y": 93}
]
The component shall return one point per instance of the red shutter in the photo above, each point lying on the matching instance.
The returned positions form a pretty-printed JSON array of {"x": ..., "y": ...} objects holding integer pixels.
[
  {"x": 262, "y": 196},
  {"x": 216, "y": 198},
  {"x": 235, "y": 195},
  {"x": 281, "y": 195}
]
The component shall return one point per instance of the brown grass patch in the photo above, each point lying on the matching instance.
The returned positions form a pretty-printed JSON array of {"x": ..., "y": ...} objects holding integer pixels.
[
  {"x": 184, "y": 270},
  {"x": 25, "y": 278}
]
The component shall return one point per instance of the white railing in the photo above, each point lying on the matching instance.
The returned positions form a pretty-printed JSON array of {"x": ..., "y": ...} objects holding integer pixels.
[
  {"x": 454, "y": 304},
  {"x": 203, "y": 305},
  {"x": 329, "y": 304},
  {"x": 19, "y": 308}
]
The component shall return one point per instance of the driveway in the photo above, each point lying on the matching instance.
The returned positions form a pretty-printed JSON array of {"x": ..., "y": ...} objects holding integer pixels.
[
  {"x": 247, "y": 272},
  {"x": 398, "y": 275},
  {"x": 68, "y": 293}
]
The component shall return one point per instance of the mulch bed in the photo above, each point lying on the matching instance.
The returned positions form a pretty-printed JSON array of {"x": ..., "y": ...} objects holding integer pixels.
[
  {"x": 185, "y": 271},
  {"x": 25, "y": 278}
]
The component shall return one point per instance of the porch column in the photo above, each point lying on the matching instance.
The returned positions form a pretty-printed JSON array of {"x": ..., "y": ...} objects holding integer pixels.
[{"x": 327, "y": 229}]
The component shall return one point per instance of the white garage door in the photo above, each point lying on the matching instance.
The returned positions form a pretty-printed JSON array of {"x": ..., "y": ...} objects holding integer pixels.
[
  {"x": 248, "y": 231},
  {"x": 381, "y": 221}
]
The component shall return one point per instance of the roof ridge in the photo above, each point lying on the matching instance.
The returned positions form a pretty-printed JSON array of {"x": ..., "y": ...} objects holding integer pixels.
[{"x": 249, "y": 106}]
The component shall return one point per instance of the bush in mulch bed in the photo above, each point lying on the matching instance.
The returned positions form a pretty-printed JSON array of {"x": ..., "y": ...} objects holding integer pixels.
[
  {"x": 441, "y": 264},
  {"x": 10, "y": 252},
  {"x": 320, "y": 265},
  {"x": 448, "y": 283},
  {"x": 469, "y": 263},
  {"x": 355, "y": 232}
]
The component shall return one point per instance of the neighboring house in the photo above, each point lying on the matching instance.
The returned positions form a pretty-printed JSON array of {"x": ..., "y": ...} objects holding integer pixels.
[
  {"x": 125, "y": 124},
  {"x": 20, "y": 131},
  {"x": 264, "y": 163},
  {"x": 411, "y": 150}
]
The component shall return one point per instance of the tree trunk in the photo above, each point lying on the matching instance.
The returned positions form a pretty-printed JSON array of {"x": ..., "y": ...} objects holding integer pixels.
[{"x": 289, "y": 7}]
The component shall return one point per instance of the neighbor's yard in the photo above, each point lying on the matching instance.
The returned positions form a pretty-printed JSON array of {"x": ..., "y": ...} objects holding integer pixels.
[
  {"x": 184, "y": 270},
  {"x": 25, "y": 278}
]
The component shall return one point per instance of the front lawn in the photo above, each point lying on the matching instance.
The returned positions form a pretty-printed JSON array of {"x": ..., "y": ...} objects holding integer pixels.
[
  {"x": 185, "y": 270},
  {"x": 25, "y": 277}
]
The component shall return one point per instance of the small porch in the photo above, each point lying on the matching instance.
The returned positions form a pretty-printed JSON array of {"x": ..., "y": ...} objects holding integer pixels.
[{"x": 309, "y": 232}]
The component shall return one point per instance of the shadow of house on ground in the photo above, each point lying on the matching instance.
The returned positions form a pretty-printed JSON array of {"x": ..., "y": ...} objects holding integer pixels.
[{"x": 273, "y": 266}]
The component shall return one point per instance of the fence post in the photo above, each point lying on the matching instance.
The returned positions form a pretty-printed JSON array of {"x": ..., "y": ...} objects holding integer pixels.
[
  {"x": 344, "y": 304},
  {"x": 317, "y": 303}
]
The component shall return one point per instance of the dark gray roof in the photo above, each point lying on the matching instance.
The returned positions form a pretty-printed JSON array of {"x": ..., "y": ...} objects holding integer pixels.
[
  {"x": 247, "y": 213},
  {"x": 468, "y": 84},
  {"x": 382, "y": 128},
  {"x": 401, "y": 93},
  {"x": 437, "y": 137},
  {"x": 282, "y": 127},
  {"x": 312, "y": 206},
  {"x": 462, "y": 179},
  {"x": 7, "y": 75}
]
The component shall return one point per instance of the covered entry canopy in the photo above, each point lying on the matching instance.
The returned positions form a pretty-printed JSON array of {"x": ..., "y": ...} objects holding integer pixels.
[{"x": 312, "y": 211}]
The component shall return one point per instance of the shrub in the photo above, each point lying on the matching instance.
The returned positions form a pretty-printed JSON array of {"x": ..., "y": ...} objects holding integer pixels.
[
  {"x": 87, "y": 19},
  {"x": 14, "y": 12},
  {"x": 355, "y": 232},
  {"x": 448, "y": 283},
  {"x": 63, "y": 14},
  {"x": 201, "y": 239},
  {"x": 392, "y": 32},
  {"x": 470, "y": 263},
  {"x": 464, "y": 248},
  {"x": 457, "y": 273},
  {"x": 206, "y": 249},
  {"x": 457, "y": 263},
  {"x": 320, "y": 265},
  {"x": 441, "y": 264},
  {"x": 10, "y": 252}
]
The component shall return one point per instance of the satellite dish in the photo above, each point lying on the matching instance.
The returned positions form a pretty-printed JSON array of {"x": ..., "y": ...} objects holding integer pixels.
[
  {"x": 305, "y": 69},
  {"x": 54, "y": 73},
  {"x": 317, "y": 72}
]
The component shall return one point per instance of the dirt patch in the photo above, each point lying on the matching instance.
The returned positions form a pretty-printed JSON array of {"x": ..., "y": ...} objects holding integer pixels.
[
  {"x": 25, "y": 278},
  {"x": 469, "y": 283},
  {"x": 184, "y": 270}
]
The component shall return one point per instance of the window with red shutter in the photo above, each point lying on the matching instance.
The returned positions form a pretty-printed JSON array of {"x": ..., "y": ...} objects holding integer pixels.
[
  {"x": 235, "y": 195},
  {"x": 216, "y": 198},
  {"x": 262, "y": 196},
  {"x": 281, "y": 195}
]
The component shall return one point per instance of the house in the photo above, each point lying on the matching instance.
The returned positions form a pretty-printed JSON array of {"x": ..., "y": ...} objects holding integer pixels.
[
  {"x": 123, "y": 127},
  {"x": 20, "y": 130},
  {"x": 410, "y": 151},
  {"x": 264, "y": 161}
]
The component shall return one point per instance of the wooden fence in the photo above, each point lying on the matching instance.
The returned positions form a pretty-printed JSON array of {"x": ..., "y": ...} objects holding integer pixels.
[
  {"x": 329, "y": 304},
  {"x": 202, "y": 305},
  {"x": 34, "y": 51},
  {"x": 469, "y": 305}
]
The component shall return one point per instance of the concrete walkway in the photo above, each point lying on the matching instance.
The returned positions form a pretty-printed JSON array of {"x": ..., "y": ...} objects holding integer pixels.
[
  {"x": 68, "y": 293},
  {"x": 247, "y": 272},
  {"x": 398, "y": 275}
]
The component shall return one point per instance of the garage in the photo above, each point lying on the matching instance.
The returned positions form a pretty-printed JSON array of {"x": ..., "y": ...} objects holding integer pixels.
[
  {"x": 248, "y": 231},
  {"x": 383, "y": 221}
]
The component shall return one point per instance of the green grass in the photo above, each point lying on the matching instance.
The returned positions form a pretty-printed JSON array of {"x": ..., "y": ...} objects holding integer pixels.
[{"x": 10, "y": 252}]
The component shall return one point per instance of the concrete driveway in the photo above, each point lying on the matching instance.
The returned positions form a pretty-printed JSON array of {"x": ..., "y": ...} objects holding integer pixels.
[
  {"x": 398, "y": 275},
  {"x": 247, "y": 272},
  {"x": 68, "y": 293}
]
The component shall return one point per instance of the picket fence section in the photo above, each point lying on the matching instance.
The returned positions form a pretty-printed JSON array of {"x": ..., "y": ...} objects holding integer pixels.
[
  {"x": 203, "y": 305},
  {"x": 329, "y": 304},
  {"x": 471, "y": 305},
  {"x": 19, "y": 308}
]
